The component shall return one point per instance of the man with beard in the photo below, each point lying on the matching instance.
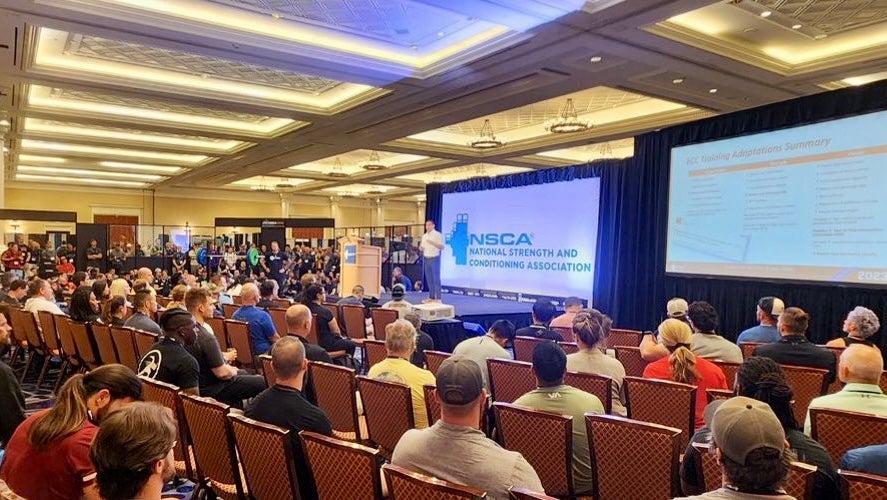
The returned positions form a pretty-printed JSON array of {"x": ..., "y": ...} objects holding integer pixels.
[{"x": 167, "y": 360}]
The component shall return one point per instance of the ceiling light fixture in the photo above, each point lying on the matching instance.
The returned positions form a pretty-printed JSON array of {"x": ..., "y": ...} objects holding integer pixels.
[
  {"x": 712, "y": 91},
  {"x": 337, "y": 170},
  {"x": 486, "y": 139},
  {"x": 4, "y": 123},
  {"x": 374, "y": 163},
  {"x": 568, "y": 122},
  {"x": 262, "y": 186},
  {"x": 797, "y": 26},
  {"x": 766, "y": 13},
  {"x": 678, "y": 81},
  {"x": 596, "y": 59}
]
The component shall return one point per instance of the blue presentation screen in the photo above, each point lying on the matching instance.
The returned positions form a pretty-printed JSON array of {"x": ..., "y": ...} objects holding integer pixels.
[
  {"x": 535, "y": 240},
  {"x": 804, "y": 203}
]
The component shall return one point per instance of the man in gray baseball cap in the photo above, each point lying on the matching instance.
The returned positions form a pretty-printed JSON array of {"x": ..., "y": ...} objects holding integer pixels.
[
  {"x": 751, "y": 448},
  {"x": 471, "y": 458}
]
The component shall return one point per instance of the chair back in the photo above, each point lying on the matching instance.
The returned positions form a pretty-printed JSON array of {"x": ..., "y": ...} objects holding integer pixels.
[
  {"x": 167, "y": 395},
  {"x": 375, "y": 351},
  {"x": 510, "y": 379},
  {"x": 862, "y": 486},
  {"x": 330, "y": 460},
  {"x": 49, "y": 331},
  {"x": 841, "y": 430},
  {"x": 433, "y": 359},
  {"x": 748, "y": 348},
  {"x": 278, "y": 317},
  {"x": 213, "y": 443},
  {"x": 566, "y": 332},
  {"x": 883, "y": 382},
  {"x": 798, "y": 484},
  {"x": 26, "y": 323},
  {"x": 729, "y": 370},
  {"x": 624, "y": 337},
  {"x": 593, "y": 383},
  {"x": 388, "y": 408},
  {"x": 268, "y": 370},
  {"x": 515, "y": 493},
  {"x": 545, "y": 439},
  {"x": 66, "y": 338},
  {"x": 631, "y": 359},
  {"x": 662, "y": 402},
  {"x": 124, "y": 345},
  {"x": 432, "y": 405},
  {"x": 102, "y": 335},
  {"x": 228, "y": 309},
  {"x": 569, "y": 347},
  {"x": 144, "y": 341},
  {"x": 218, "y": 326},
  {"x": 238, "y": 335},
  {"x": 354, "y": 317},
  {"x": 283, "y": 303},
  {"x": 807, "y": 383},
  {"x": 86, "y": 349},
  {"x": 406, "y": 484},
  {"x": 523, "y": 347},
  {"x": 313, "y": 336},
  {"x": 715, "y": 394},
  {"x": 237, "y": 299},
  {"x": 655, "y": 449},
  {"x": 836, "y": 384},
  {"x": 381, "y": 318},
  {"x": 266, "y": 455},
  {"x": 333, "y": 308},
  {"x": 335, "y": 389}
]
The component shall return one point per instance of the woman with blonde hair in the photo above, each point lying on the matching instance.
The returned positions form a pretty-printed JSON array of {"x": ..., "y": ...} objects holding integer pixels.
[{"x": 681, "y": 365}]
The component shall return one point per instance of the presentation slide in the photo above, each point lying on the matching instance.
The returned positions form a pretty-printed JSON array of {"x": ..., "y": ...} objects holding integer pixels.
[
  {"x": 805, "y": 203},
  {"x": 533, "y": 240}
]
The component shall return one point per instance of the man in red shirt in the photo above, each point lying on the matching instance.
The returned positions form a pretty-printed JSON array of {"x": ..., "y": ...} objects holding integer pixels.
[
  {"x": 13, "y": 260},
  {"x": 64, "y": 266}
]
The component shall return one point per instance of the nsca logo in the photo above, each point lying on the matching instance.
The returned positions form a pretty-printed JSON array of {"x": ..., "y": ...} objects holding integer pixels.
[{"x": 459, "y": 239}]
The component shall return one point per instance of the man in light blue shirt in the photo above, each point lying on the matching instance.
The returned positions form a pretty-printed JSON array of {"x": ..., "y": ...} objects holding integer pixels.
[
  {"x": 767, "y": 313},
  {"x": 869, "y": 459}
]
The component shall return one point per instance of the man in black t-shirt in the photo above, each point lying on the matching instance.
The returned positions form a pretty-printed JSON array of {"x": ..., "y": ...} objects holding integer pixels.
[
  {"x": 543, "y": 312},
  {"x": 94, "y": 255},
  {"x": 793, "y": 347},
  {"x": 298, "y": 324},
  {"x": 276, "y": 262},
  {"x": 167, "y": 360},
  {"x": 285, "y": 406}
]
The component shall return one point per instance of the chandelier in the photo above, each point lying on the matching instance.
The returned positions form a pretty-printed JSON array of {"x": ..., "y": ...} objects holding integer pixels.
[
  {"x": 486, "y": 139},
  {"x": 374, "y": 163},
  {"x": 262, "y": 186},
  {"x": 337, "y": 170},
  {"x": 567, "y": 122}
]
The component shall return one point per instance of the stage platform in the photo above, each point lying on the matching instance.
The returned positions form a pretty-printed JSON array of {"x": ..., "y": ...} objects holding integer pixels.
[{"x": 477, "y": 309}]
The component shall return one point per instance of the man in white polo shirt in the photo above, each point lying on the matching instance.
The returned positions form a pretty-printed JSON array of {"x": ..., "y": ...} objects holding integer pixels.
[{"x": 431, "y": 245}]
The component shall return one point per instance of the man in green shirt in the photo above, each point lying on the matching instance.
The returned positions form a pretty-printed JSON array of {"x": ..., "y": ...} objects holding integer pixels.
[{"x": 551, "y": 394}]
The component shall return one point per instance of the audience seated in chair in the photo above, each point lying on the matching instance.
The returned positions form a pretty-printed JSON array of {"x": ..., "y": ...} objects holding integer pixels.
[
  {"x": 298, "y": 325},
  {"x": 794, "y": 348},
  {"x": 268, "y": 294},
  {"x": 168, "y": 360},
  {"x": 15, "y": 293},
  {"x": 356, "y": 296},
  {"x": 551, "y": 394},
  {"x": 398, "y": 302},
  {"x": 261, "y": 327},
  {"x": 869, "y": 459},
  {"x": 572, "y": 305},
  {"x": 471, "y": 458},
  {"x": 705, "y": 341},
  {"x": 144, "y": 306},
  {"x": 12, "y": 401},
  {"x": 491, "y": 345},
  {"x": 767, "y": 313},
  {"x": 329, "y": 336},
  {"x": 683, "y": 366},
  {"x": 114, "y": 311},
  {"x": 591, "y": 328},
  {"x": 48, "y": 455},
  {"x": 41, "y": 298},
  {"x": 218, "y": 379},
  {"x": 284, "y": 405},
  {"x": 651, "y": 349},
  {"x": 133, "y": 452},
  {"x": 764, "y": 380},
  {"x": 860, "y": 370},
  {"x": 84, "y": 306},
  {"x": 543, "y": 312},
  {"x": 400, "y": 341},
  {"x": 860, "y": 325},
  {"x": 423, "y": 340}
]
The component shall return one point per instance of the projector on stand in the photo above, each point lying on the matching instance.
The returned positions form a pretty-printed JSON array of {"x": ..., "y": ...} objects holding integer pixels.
[{"x": 434, "y": 311}]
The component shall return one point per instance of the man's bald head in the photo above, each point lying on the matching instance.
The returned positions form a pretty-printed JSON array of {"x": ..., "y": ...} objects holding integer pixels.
[
  {"x": 288, "y": 357},
  {"x": 146, "y": 274},
  {"x": 298, "y": 319},
  {"x": 861, "y": 364},
  {"x": 249, "y": 294}
]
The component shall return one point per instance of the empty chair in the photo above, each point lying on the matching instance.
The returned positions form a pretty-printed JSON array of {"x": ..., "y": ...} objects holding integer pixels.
[
  {"x": 544, "y": 439},
  {"x": 406, "y": 484},
  {"x": 807, "y": 383},
  {"x": 381, "y": 318},
  {"x": 87, "y": 350},
  {"x": 655, "y": 450},
  {"x": 335, "y": 389},
  {"x": 124, "y": 345},
  {"x": 278, "y": 317},
  {"x": 331, "y": 461},
  {"x": 144, "y": 340},
  {"x": 102, "y": 335},
  {"x": 354, "y": 318},
  {"x": 26, "y": 324},
  {"x": 375, "y": 351},
  {"x": 861, "y": 486},
  {"x": 388, "y": 407},
  {"x": 631, "y": 359},
  {"x": 662, "y": 402},
  {"x": 509, "y": 379},
  {"x": 624, "y": 337},
  {"x": 592, "y": 383},
  {"x": 218, "y": 328},
  {"x": 168, "y": 395},
  {"x": 69, "y": 347},
  {"x": 238, "y": 336},
  {"x": 841, "y": 430},
  {"x": 433, "y": 359},
  {"x": 213, "y": 442},
  {"x": 523, "y": 347},
  {"x": 267, "y": 457}
]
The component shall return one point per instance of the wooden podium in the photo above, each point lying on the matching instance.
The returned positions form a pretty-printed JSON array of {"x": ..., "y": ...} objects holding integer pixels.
[{"x": 361, "y": 265}]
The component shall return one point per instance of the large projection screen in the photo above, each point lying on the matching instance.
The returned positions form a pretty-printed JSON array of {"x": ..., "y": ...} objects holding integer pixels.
[
  {"x": 538, "y": 240},
  {"x": 806, "y": 203}
]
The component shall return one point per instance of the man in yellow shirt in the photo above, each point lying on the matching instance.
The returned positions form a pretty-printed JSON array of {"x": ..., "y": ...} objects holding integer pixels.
[{"x": 400, "y": 340}]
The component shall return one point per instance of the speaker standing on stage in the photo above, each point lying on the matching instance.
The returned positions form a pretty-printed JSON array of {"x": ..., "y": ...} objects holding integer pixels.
[{"x": 431, "y": 245}]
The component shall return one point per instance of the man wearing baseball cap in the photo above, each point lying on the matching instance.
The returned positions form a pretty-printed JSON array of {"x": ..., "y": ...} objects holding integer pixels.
[
  {"x": 767, "y": 313},
  {"x": 751, "y": 448},
  {"x": 471, "y": 458}
]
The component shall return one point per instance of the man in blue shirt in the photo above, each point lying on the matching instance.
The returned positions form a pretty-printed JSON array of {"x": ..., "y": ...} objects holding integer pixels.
[
  {"x": 869, "y": 459},
  {"x": 261, "y": 328},
  {"x": 397, "y": 276},
  {"x": 767, "y": 313}
]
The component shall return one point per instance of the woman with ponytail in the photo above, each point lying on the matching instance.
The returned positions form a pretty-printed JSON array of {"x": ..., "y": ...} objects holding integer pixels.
[
  {"x": 591, "y": 328},
  {"x": 48, "y": 455},
  {"x": 681, "y": 365}
]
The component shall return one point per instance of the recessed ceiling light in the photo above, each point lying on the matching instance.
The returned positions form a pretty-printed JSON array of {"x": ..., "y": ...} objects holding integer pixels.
[
  {"x": 766, "y": 13},
  {"x": 712, "y": 91},
  {"x": 4, "y": 123},
  {"x": 678, "y": 81},
  {"x": 596, "y": 59},
  {"x": 796, "y": 26},
  {"x": 276, "y": 15},
  {"x": 749, "y": 30},
  {"x": 820, "y": 36}
]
